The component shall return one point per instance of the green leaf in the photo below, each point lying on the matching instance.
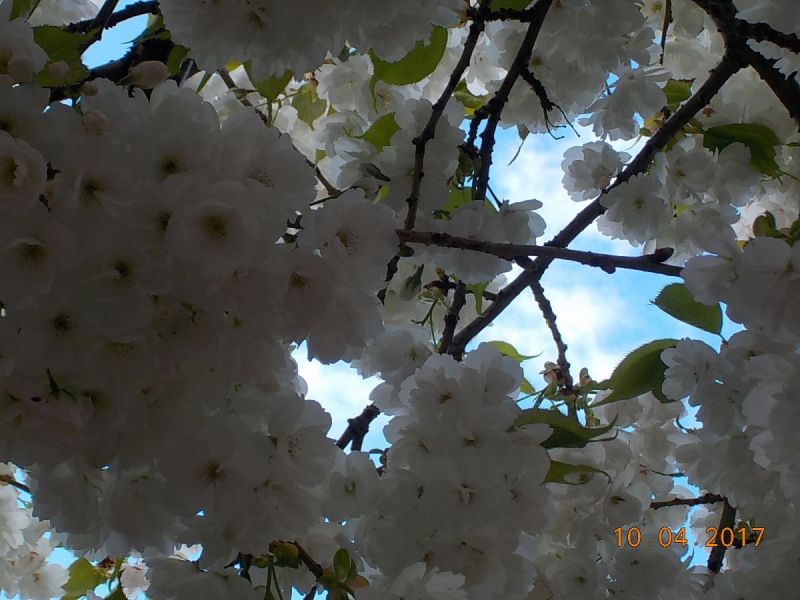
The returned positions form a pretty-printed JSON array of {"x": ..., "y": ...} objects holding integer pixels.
[
  {"x": 23, "y": 8},
  {"x": 309, "y": 106},
  {"x": 526, "y": 388},
  {"x": 381, "y": 132},
  {"x": 567, "y": 432},
  {"x": 83, "y": 576},
  {"x": 117, "y": 594},
  {"x": 512, "y": 4},
  {"x": 470, "y": 101},
  {"x": 272, "y": 87},
  {"x": 456, "y": 199},
  {"x": 676, "y": 91},
  {"x": 640, "y": 372},
  {"x": 414, "y": 66},
  {"x": 477, "y": 290},
  {"x": 341, "y": 564},
  {"x": 759, "y": 138},
  {"x": 561, "y": 472},
  {"x": 508, "y": 350},
  {"x": 64, "y": 46},
  {"x": 765, "y": 225},
  {"x": 676, "y": 300},
  {"x": 175, "y": 58}
]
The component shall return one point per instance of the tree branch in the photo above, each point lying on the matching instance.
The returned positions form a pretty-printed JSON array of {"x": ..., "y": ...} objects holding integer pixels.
[
  {"x": 429, "y": 131},
  {"x": 357, "y": 428},
  {"x": 737, "y": 33},
  {"x": 136, "y": 9},
  {"x": 451, "y": 319},
  {"x": 704, "y": 499},
  {"x": 719, "y": 75},
  {"x": 421, "y": 141},
  {"x": 564, "y": 378},
  {"x": 785, "y": 88},
  {"x": 651, "y": 263},
  {"x": 8, "y": 479},
  {"x": 762, "y": 32},
  {"x": 494, "y": 107},
  {"x": 717, "y": 553}
]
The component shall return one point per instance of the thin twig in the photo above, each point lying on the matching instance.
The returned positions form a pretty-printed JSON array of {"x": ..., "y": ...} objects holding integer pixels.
[
  {"x": 421, "y": 141},
  {"x": 305, "y": 558},
  {"x": 451, "y": 319},
  {"x": 8, "y": 479},
  {"x": 564, "y": 378},
  {"x": 329, "y": 187},
  {"x": 665, "y": 29},
  {"x": 494, "y": 107},
  {"x": 311, "y": 593},
  {"x": 547, "y": 104},
  {"x": 357, "y": 428},
  {"x": 651, "y": 263},
  {"x": 704, "y": 499},
  {"x": 429, "y": 131}
]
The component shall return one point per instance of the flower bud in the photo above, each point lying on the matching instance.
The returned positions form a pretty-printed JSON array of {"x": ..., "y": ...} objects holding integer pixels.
[
  {"x": 94, "y": 122},
  {"x": 57, "y": 70},
  {"x": 149, "y": 74}
]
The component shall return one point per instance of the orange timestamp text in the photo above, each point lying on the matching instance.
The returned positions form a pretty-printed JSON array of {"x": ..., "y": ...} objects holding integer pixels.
[{"x": 726, "y": 537}]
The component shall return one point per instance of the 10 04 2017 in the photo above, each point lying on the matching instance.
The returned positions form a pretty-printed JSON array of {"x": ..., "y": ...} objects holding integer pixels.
[{"x": 666, "y": 537}]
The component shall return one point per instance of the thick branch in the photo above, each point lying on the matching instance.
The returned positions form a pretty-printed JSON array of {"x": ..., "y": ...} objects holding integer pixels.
[
  {"x": 704, "y": 499},
  {"x": 451, "y": 319},
  {"x": 737, "y": 33},
  {"x": 717, "y": 553},
  {"x": 762, "y": 32},
  {"x": 651, "y": 263},
  {"x": 719, "y": 75},
  {"x": 132, "y": 10},
  {"x": 357, "y": 428},
  {"x": 785, "y": 88}
]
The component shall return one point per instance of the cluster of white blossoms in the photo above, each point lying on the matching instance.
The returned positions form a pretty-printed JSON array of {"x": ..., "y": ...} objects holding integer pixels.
[
  {"x": 162, "y": 253},
  {"x": 282, "y": 34},
  {"x": 24, "y": 549}
]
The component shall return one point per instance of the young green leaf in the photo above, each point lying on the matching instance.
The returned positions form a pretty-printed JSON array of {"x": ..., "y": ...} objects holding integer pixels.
[
  {"x": 561, "y": 472},
  {"x": 272, "y": 87},
  {"x": 83, "y": 576},
  {"x": 640, "y": 372},
  {"x": 477, "y": 290},
  {"x": 676, "y": 300},
  {"x": 676, "y": 91},
  {"x": 414, "y": 66},
  {"x": 341, "y": 564},
  {"x": 309, "y": 106},
  {"x": 381, "y": 132},
  {"x": 567, "y": 432},
  {"x": 63, "y": 46},
  {"x": 508, "y": 350},
  {"x": 759, "y": 138}
]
